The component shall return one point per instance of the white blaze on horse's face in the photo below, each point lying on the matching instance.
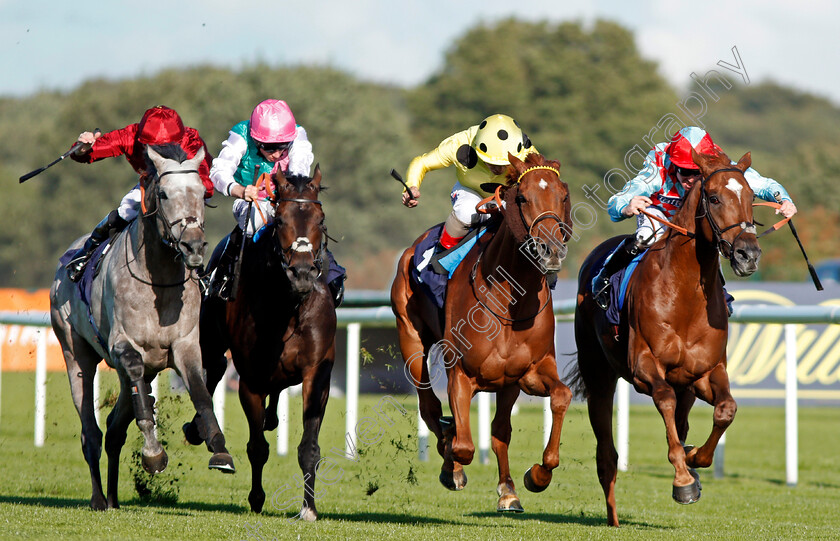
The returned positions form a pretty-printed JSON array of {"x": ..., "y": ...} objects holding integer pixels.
[
  {"x": 543, "y": 184},
  {"x": 302, "y": 244},
  {"x": 735, "y": 186}
]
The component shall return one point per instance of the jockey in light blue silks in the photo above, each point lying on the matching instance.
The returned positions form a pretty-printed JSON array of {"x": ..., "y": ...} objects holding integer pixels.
[{"x": 659, "y": 189}]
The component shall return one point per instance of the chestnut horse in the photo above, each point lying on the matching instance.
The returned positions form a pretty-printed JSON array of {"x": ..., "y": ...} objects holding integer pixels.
[
  {"x": 671, "y": 341},
  {"x": 280, "y": 329},
  {"x": 496, "y": 330}
]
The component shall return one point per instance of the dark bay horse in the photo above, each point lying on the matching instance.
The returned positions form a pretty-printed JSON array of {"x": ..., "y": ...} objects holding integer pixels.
[
  {"x": 496, "y": 332},
  {"x": 671, "y": 342},
  {"x": 280, "y": 329},
  {"x": 142, "y": 318}
]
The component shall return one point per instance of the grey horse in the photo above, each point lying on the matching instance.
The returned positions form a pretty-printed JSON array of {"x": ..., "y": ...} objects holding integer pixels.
[{"x": 142, "y": 318}]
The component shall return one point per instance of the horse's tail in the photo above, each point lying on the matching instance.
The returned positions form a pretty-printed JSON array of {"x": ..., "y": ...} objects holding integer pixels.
[{"x": 574, "y": 379}]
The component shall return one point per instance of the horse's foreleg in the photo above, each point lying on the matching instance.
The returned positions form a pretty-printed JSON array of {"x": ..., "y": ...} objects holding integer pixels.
[
  {"x": 685, "y": 400},
  {"x": 316, "y": 392},
  {"x": 460, "y": 395},
  {"x": 500, "y": 430},
  {"x": 130, "y": 363},
  {"x": 187, "y": 360},
  {"x": 117, "y": 425},
  {"x": 686, "y": 488},
  {"x": 715, "y": 391},
  {"x": 272, "y": 421},
  {"x": 81, "y": 376},
  {"x": 538, "y": 477},
  {"x": 254, "y": 407}
]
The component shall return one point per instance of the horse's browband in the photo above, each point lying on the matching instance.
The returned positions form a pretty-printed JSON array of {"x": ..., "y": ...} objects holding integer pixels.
[
  {"x": 317, "y": 202},
  {"x": 525, "y": 172}
]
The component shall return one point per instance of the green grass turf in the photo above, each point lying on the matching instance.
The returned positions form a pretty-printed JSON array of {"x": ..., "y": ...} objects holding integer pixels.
[{"x": 389, "y": 493}]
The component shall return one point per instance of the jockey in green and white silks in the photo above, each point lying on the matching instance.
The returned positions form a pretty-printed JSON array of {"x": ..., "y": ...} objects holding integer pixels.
[{"x": 252, "y": 149}]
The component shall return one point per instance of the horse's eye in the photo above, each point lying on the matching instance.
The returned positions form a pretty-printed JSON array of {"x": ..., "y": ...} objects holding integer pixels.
[
  {"x": 163, "y": 195},
  {"x": 520, "y": 199},
  {"x": 713, "y": 199}
]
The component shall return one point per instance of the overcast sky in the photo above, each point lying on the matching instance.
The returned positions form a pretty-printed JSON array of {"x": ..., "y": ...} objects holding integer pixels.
[{"x": 53, "y": 44}]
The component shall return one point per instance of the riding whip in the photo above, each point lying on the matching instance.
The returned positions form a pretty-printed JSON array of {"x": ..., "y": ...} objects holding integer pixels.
[
  {"x": 73, "y": 149},
  {"x": 811, "y": 268},
  {"x": 401, "y": 181}
]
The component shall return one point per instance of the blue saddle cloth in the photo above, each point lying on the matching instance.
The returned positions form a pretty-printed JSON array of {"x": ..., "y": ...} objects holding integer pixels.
[
  {"x": 85, "y": 285},
  {"x": 618, "y": 287},
  {"x": 431, "y": 270}
]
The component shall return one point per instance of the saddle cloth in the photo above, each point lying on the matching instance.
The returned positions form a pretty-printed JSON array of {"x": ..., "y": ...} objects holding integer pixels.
[
  {"x": 431, "y": 269},
  {"x": 618, "y": 286}
]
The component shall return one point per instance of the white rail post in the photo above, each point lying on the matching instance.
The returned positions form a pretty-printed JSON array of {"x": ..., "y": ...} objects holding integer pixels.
[
  {"x": 484, "y": 427},
  {"x": 219, "y": 395},
  {"x": 154, "y": 392},
  {"x": 791, "y": 413},
  {"x": 547, "y": 420},
  {"x": 354, "y": 331},
  {"x": 422, "y": 437},
  {"x": 2, "y": 342},
  {"x": 283, "y": 426},
  {"x": 623, "y": 423},
  {"x": 96, "y": 404},
  {"x": 720, "y": 457},
  {"x": 40, "y": 387}
]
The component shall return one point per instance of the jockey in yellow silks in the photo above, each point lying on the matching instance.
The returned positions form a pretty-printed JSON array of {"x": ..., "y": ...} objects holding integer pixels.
[{"x": 480, "y": 157}]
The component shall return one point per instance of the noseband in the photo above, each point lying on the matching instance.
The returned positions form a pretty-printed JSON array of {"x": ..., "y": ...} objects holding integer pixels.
[
  {"x": 746, "y": 227},
  {"x": 301, "y": 244}
]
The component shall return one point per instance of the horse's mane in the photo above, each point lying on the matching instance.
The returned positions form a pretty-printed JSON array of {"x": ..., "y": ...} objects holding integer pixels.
[{"x": 172, "y": 151}]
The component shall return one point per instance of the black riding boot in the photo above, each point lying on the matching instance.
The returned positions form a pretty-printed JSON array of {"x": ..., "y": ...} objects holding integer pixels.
[
  {"x": 623, "y": 254},
  {"x": 336, "y": 274},
  {"x": 111, "y": 223},
  {"x": 222, "y": 277}
]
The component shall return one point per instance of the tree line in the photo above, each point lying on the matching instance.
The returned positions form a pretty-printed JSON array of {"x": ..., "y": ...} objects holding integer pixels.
[{"x": 584, "y": 95}]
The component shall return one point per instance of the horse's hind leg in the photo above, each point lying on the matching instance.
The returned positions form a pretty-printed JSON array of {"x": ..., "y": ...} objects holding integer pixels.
[
  {"x": 542, "y": 380},
  {"x": 271, "y": 419},
  {"x": 81, "y": 361},
  {"x": 131, "y": 369},
  {"x": 500, "y": 430},
  {"x": 715, "y": 391}
]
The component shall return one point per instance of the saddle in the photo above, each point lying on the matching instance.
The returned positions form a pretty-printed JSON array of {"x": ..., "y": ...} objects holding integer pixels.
[
  {"x": 431, "y": 267},
  {"x": 618, "y": 286}
]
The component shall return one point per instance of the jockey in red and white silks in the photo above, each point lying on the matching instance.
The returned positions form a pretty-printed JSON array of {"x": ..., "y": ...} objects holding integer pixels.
[{"x": 668, "y": 174}]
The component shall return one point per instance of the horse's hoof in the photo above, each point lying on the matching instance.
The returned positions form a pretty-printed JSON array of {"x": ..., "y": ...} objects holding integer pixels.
[
  {"x": 97, "y": 503},
  {"x": 509, "y": 503},
  {"x": 222, "y": 462},
  {"x": 257, "y": 500},
  {"x": 191, "y": 434},
  {"x": 687, "y": 494},
  {"x": 531, "y": 484},
  {"x": 308, "y": 514},
  {"x": 155, "y": 464},
  {"x": 453, "y": 480}
]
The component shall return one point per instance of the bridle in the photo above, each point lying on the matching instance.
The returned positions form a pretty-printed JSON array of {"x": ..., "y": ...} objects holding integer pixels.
[
  {"x": 168, "y": 238},
  {"x": 717, "y": 231},
  {"x": 300, "y": 244}
]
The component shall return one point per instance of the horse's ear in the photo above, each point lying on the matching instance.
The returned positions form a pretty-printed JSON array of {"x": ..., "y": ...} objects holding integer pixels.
[
  {"x": 196, "y": 160},
  {"x": 157, "y": 159},
  {"x": 702, "y": 160},
  {"x": 316, "y": 176},
  {"x": 745, "y": 162}
]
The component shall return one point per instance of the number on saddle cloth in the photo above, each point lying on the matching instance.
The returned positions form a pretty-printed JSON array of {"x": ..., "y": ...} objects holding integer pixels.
[{"x": 432, "y": 269}]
